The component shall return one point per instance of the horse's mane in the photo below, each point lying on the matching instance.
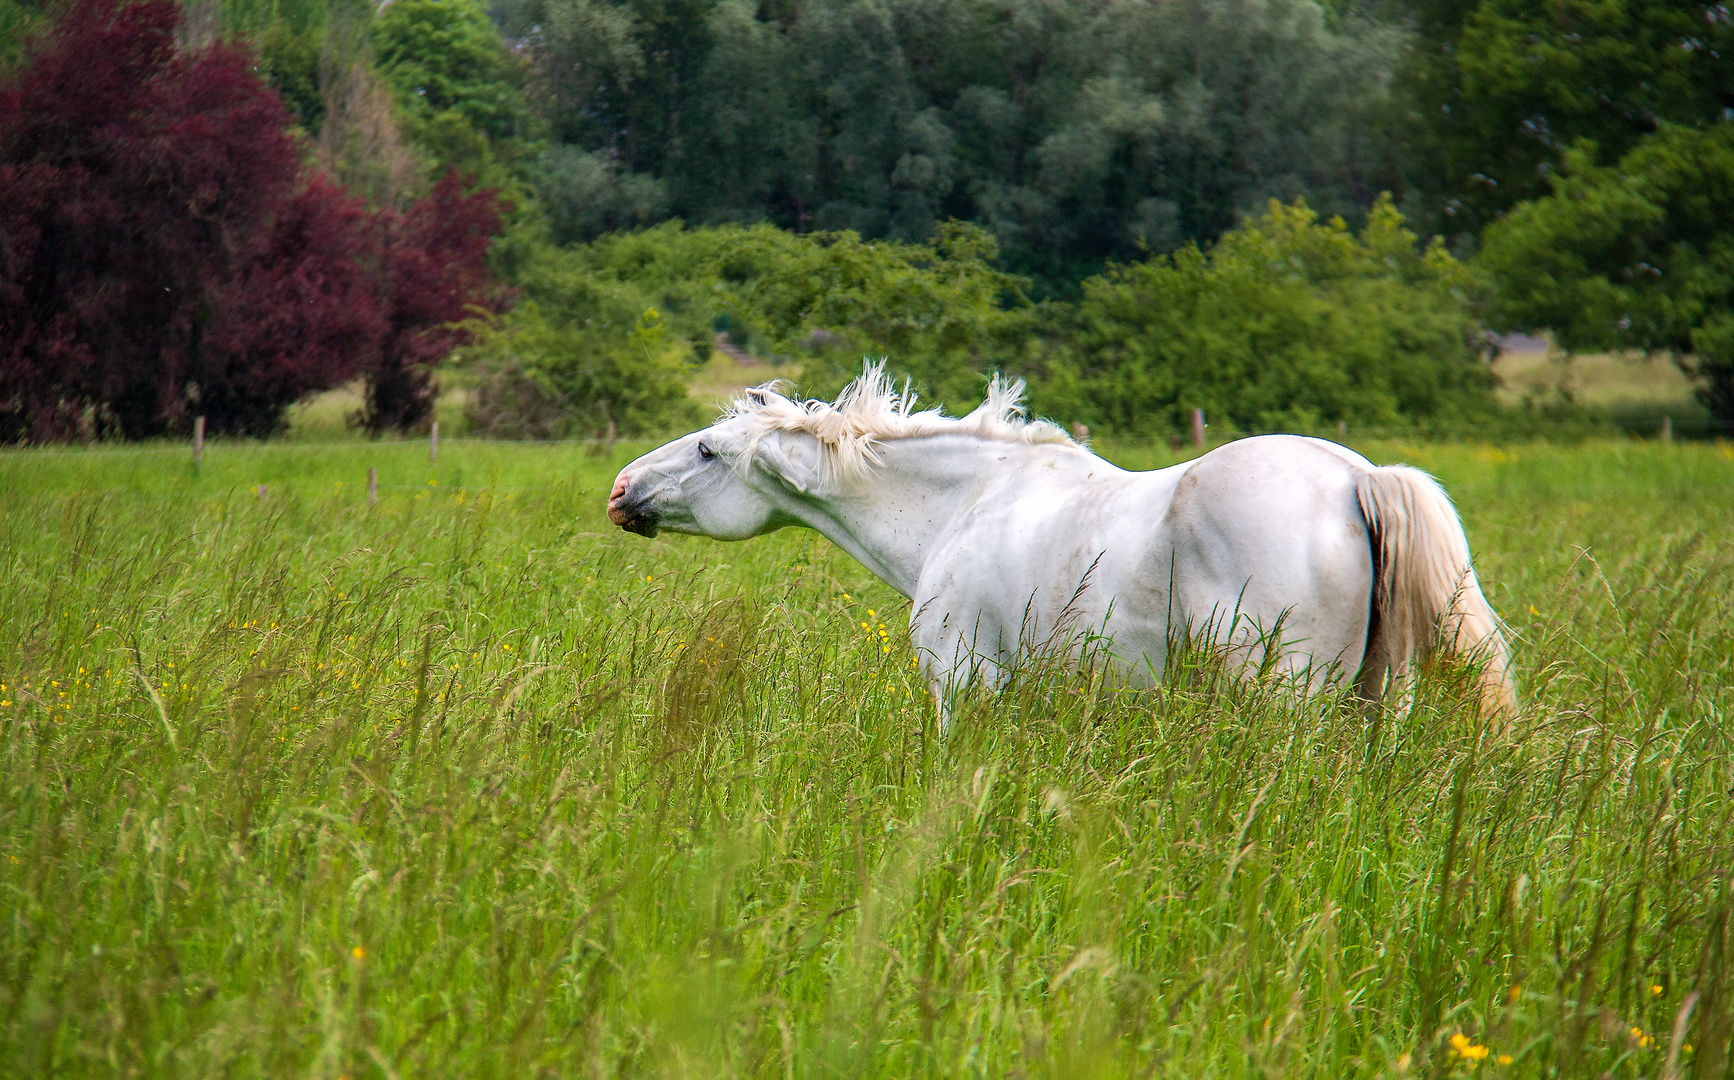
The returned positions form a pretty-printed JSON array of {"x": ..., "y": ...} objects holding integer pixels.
[{"x": 870, "y": 410}]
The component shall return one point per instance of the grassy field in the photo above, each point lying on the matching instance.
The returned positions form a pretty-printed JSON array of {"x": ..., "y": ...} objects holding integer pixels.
[
  {"x": 471, "y": 784},
  {"x": 1598, "y": 381}
]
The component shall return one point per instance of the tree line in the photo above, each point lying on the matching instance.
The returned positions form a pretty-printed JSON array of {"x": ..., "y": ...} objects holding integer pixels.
[{"x": 1144, "y": 205}]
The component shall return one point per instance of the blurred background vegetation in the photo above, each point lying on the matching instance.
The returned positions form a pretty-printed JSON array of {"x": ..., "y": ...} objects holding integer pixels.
[{"x": 1290, "y": 213}]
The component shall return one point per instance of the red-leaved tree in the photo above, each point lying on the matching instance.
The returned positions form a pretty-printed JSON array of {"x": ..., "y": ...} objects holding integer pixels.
[
  {"x": 302, "y": 315},
  {"x": 435, "y": 275},
  {"x": 165, "y": 252}
]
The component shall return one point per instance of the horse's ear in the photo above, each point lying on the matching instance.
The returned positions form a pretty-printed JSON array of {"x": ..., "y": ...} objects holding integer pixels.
[
  {"x": 757, "y": 397},
  {"x": 794, "y": 459}
]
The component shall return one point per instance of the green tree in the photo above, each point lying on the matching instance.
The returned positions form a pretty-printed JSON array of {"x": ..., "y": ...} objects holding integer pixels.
[
  {"x": 1074, "y": 131},
  {"x": 455, "y": 81},
  {"x": 1504, "y": 88},
  {"x": 18, "y": 20},
  {"x": 1634, "y": 255},
  {"x": 290, "y": 61},
  {"x": 1286, "y": 322},
  {"x": 585, "y": 194}
]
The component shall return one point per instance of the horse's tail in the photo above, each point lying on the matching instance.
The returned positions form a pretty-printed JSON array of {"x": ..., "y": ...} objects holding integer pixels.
[{"x": 1426, "y": 599}]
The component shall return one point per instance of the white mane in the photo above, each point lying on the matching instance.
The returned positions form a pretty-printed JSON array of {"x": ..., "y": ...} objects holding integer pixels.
[{"x": 870, "y": 411}]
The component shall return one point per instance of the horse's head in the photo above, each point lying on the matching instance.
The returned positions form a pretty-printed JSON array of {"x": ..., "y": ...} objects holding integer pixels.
[{"x": 728, "y": 481}]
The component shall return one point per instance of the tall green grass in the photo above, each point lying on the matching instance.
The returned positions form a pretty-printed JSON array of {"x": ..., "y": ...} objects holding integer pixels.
[{"x": 470, "y": 784}]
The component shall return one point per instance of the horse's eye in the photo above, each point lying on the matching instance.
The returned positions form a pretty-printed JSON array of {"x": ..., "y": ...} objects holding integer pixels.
[{"x": 705, "y": 452}]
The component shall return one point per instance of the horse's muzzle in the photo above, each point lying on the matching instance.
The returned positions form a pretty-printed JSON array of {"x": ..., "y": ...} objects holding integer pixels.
[{"x": 630, "y": 514}]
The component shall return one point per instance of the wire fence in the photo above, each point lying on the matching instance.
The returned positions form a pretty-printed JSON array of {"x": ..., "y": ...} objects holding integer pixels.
[
  {"x": 1649, "y": 427},
  {"x": 97, "y": 449}
]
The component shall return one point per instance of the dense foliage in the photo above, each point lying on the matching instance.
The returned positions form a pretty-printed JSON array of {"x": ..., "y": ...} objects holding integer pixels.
[
  {"x": 1505, "y": 89},
  {"x": 1635, "y": 255},
  {"x": 433, "y": 278},
  {"x": 1286, "y": 323},
  {"x": 606, "y": 328},
  {"x": 456, "y": 85},
  {"x": 168, "y": 253},
  {"x": 575, "y": 359},
  {"x": 154, "y": 207},
  {"x": 1072, "y": 131},
  {"x": 940, "y": 311}
]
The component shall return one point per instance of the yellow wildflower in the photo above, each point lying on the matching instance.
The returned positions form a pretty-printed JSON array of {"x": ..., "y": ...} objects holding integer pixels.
[{"x": 1469, "y": 1051}]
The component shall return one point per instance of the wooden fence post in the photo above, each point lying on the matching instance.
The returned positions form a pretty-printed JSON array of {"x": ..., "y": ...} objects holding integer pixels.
[
  {"x": 198, "y": 440},
  {"x": 1667, "y": 429},
  {"x": 372, "y": 486},
  {"x": 1197, "y": 427},
  {"x": 433, "y": 444}
]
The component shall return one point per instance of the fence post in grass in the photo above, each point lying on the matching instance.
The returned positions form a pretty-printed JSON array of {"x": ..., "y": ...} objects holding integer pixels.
[
  {"x": 372, "y": 486},
  {"x": 433, "y": 444},
  {"x": 264, "y": 493},
  {"x": 198, "y": 440},
  {"x": 1197, "y": 427},
  {"x": 610, "y": 448},
  {"x": 1667, "y": 429}
]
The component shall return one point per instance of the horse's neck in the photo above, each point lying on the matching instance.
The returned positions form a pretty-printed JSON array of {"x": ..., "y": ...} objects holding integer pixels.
[{"x": 891, "y": 520}]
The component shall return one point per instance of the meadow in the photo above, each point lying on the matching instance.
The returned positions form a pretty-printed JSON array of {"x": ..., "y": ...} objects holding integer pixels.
[{"x": 469, "y": 783}]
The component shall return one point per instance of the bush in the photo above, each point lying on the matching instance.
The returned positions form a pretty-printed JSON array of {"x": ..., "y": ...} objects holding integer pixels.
[
  {"x": 1289, "y": 322},
  {"x": 582, "y": 355},
  {"x": 1286, "y": 323},
  {"x": 689, "y": 275},
  {"x": 940, "y": 312}
]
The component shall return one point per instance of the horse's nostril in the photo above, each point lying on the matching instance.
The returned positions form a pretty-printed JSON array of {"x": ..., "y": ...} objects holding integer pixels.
[{"x": 616, "y": 513}]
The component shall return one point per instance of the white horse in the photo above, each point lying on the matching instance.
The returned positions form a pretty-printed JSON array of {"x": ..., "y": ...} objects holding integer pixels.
[{"x": 1007, "y": 536}]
